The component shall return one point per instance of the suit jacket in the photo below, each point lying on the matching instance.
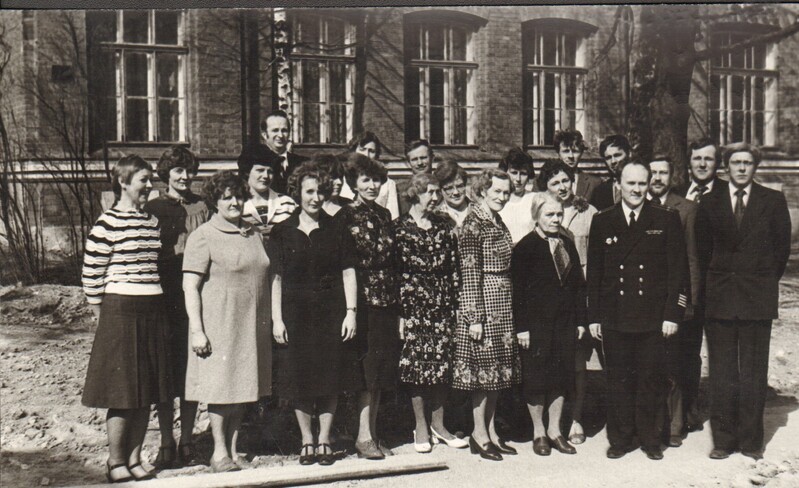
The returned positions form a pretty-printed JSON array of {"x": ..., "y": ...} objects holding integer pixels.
[
  {"x": 586, "y": 183},
  {"x": 602, "y": 198},
  {"x": 281, "y": 177},
  {"x": 718, "y": 185},
  {"x": 742, "y": 267},
  {"x": 687, "y": 210},
  {"x": 636, "y": 277}
]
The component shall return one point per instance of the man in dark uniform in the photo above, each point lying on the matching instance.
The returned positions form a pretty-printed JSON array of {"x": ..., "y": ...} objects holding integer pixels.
[
  {"x": 276, "y": 131},
  {"x": 615, "y": 150},
  {"x": 636, "y": 298},
  {"x": 744, "y": 241}
]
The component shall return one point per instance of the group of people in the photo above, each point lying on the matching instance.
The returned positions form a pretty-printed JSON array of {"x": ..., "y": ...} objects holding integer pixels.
[{"x": 359, "y": 284}]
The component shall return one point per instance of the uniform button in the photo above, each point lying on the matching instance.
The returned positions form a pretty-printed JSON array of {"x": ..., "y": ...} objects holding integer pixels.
[
  {"x": 621, "y": 280},
  {"x": 641, "y": 280},
  {"x": 640, "y": 292},
  {"x": 641, "y": 266},
  {"x": 621, "y": 266},
  {"x": 621, "y": 292}
]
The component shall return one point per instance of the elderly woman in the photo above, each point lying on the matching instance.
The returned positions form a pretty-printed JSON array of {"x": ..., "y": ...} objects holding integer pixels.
[
  {"x": 331, "y": 164},
  {"x": 516, "y": 213},
  {"x": 378, "y": 332},
  {"x": 428, "y": 278},
  {"x": 486, "y": 356},
  {"x": 129, "y": 367},
  {"x": 453, "y": 180},
  {"x": 549, "y": 309},
  {"x": 368, "y": 144},
  {"x": 179, "y": 213},
  {"x": 225, "y": 279},
  {"x": 557, "y": 179},
  {"x": 314, "y": 299}
]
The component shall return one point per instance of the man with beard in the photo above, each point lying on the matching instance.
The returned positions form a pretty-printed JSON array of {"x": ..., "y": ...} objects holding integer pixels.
[
  {"x": 570, "y": 146},
  {"x": 615, "y": 150},
  {"x": 276, "y": 131},
  {"x": 680, "y": 354}
]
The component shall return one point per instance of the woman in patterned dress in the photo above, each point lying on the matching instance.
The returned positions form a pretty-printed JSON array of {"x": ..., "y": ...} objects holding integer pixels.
[
  {"x": 487, "y": 352},
  {"x": 428, "y": 286},
  {"x": 378, "y": 316}
]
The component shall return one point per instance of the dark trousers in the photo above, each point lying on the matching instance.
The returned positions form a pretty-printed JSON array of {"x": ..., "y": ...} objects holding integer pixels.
[
  {"x": 689, "y": 338},
  {"x": 738, "y": 351},
  {"x": 636, "y": 387}
]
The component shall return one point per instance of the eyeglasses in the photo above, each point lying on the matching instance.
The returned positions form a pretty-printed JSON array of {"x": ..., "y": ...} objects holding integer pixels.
[{"x": 450, "y": 189}]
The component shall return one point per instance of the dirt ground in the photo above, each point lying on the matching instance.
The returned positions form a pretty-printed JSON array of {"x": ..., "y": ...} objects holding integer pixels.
[{"x": 49, "y": 439}]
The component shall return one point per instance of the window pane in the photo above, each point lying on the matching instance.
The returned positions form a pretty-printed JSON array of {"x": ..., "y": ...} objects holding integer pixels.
[
  {"x": 738, "y": 57},
  {"x": 168, "y": 120},
  {"x": 338, "y": 124},
  {"x": 310, "y": 122},
  {"x": 458, "y": 44},
  {"x": 570, "y": 85},
  {"x": 460, "y": 124},
  {"x": 338, "y": 82},
  {"x": 760, "y": 56},
  {"x": 437, "y": 105},
  {"x": 310, "y": 81},
  {"x": 167, "y": 75},
  {"x": 136, "y": 120},
  {"x": 412, "y": 46},
  {"x": 309, "y": 34},
  {"x": 459, "y": 91},
  {"x": 336, "y": 36},
  {"x": 569, "y": 52},
  {"x": 412, "y": 103},
  {"x": 549, "y": 107},
  {"x": 136, "y": 74},
  {"x": 135, "y": 26},
  {"x": 435, "y": 42},
  {"x": 102, "y": 26},
  {"x": 550, "y": 49},
  {"x": 166, "y": 27}
]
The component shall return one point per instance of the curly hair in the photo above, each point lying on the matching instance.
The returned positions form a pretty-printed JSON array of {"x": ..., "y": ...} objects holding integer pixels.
[
  {"x": 358, "y": 165},
  {"x": 215, "y": 187},
  {"x": 124, "y": 170},
  {"x": 309, "y": 170},
  {"x": 418, "y": 185},
  {"x": 548, "y": 171},
  {"x": 569, "y": 138},
  {"x": 484, "y": 180},
  {"x": 256, "y": 154},
  {"x": 448, "y": 171},
  {"x": 517, "y": 158},
  {"x": 176, "y": 157},
  {"x": 363, "y": 139}
]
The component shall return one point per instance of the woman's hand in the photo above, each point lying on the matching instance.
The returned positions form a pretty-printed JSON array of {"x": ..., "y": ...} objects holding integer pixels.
[
  {"x": 200, "y": 344},
  {"x": 524, "y": 339},
  {"x": 476, "y": 331},
  {"x": 402, "y": 328},
  {"x": 580, "y": 332},
  {"x": 348, "y": 327},
  {"x": 279, "y": 332}
]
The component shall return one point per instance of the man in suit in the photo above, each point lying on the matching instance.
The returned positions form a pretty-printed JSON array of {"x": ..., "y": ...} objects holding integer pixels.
[
  {"x": 680, "y": 356},
  {"x": 636, "y": 266},
  {"x": 704, "y": 158},
  {"x": 615, "y": 150},
  {"x": 276, "y": 131},
  {"x": 744, "y": 241},
  {"x": 570, "y": 146}
]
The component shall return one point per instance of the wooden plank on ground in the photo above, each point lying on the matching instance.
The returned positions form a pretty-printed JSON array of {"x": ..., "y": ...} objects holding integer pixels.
[{"x": 295, "y": 475}]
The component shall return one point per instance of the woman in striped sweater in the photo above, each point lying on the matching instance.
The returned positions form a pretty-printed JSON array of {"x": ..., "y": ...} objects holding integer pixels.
[{"x": 129, "y": 366}]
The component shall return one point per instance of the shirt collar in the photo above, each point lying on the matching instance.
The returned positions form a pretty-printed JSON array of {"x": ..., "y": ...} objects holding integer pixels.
[
  {"x": 626, "y": 210},
  {"x": 747, "y": 189},
  {"x": 708, "y": 185},
  {"x": 191, "y": 198},
  {"x": 223, "y": 225}
]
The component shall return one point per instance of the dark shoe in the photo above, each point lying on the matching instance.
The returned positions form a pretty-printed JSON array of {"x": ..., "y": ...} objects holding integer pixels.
[
  {"x": 541, "y": 446},
  {"x": 653, "y": 453},
  {"x": 503, "y": 448},
  {"x": 224, "y": 465},
  {"x": 720, "y": 454},
  {"x": 753, "y": 455},
  {"x": 324, "y": 455},
  {"x": 166, "y": 458},
  {"x": 616, "y": 452},
  {"x": 694, "y": 427},
  {"x": 487, "y": 451},
  {"x": 111, "y": 479},
  {"x": 307, "y": 455},
  {"x": 186, "y": 455},
  {"x": 561, "y": 445},
  {"x": 675, "y": 441},
  {"x": 369, "y": 450},
  {"x": 142, "y": 477},
  {"x": 384, "y": 448}
]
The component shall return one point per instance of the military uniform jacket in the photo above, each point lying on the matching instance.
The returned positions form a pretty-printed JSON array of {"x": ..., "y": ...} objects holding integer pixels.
[{"x": 637, "y": 278}]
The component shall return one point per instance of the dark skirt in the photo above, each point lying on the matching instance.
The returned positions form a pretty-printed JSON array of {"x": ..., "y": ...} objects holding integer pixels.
[
  {"x": 177, "y": 336},
  {"x": 548, "y": 365},
  {"x": 379, "y": 346},
  {"x": 129, "y": 366}
]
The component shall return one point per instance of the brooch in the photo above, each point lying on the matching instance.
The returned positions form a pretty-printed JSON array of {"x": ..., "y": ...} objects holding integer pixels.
[{"x": 611, "y": 240}]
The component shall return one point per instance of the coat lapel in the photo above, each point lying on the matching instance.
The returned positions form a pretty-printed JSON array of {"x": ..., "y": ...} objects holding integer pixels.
[
  {"x": 633, "y": 236},
  {"x": 754, "y": 208}
]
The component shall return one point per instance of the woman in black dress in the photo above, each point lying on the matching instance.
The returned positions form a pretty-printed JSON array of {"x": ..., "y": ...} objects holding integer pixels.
[
  {"x": 549, "y": 310},
  {"x": 314, "y": 298}
]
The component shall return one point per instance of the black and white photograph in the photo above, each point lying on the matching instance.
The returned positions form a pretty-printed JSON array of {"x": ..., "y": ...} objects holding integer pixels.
[{"x": 374, "y": 244}]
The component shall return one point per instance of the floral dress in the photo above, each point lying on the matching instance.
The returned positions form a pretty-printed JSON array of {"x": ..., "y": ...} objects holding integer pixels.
[
  {"x": 493, "y": 362},
  {"x": 428, "y": 292}
]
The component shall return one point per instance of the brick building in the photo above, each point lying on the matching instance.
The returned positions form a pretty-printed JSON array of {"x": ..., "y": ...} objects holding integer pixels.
[{"x": 473, "y": 80}]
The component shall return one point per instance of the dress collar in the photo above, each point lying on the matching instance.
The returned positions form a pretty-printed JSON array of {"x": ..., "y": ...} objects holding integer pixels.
[{"x": 223, "y": 225}]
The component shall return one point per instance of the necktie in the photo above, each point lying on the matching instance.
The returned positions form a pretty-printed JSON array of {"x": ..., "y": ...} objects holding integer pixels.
[
  {"x": 699, "y": 190},
  {"x": 739, "y": 206},
  {"x": 616, "y": 195},
  {"x": 284, "y": 163},
  {"x": 562, "y": 261},
  {"x": 632, "y": 219}
]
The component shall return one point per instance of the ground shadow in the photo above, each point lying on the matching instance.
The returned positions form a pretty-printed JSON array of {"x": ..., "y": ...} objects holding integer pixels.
[
  {"x": 56, "y": 468},
  {"x": 778, "y": 406}
]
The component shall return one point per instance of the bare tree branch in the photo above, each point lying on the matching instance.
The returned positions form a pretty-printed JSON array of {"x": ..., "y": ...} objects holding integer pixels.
[{"x": 775, "y": 36}]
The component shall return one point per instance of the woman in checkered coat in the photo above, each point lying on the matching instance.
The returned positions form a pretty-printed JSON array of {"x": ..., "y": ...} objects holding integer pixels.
[{"x": 487, "y": 351}]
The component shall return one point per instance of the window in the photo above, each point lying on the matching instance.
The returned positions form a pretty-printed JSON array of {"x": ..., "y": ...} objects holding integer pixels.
[
  {"x": 439, "y": 82},
  {"x": 554, "y": 55},
  {"x": 743, "y": 91},
  {"x": 138, "y": 65},
  {"x": 323, "y": 73}
]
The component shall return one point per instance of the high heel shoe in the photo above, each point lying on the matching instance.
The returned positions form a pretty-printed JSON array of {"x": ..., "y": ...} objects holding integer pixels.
[
  {"x": 307, "y": 454},
  {"x": 109, "y": 468},
  {"x": 504, "y": 448},
  {"x": 488, "y": 451},
  {"x": 455, "y": 442},
  {"x": 421, "y": 447},
  {"x": 325, "y": 455},
  {"x": 144, "y": 477}
]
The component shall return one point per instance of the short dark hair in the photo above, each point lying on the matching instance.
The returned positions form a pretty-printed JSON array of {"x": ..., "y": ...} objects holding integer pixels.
[
  {"x": 358, "y": 165},
  {"x": 416, "y": 144},
  {"x": 704, "y": 142},
  {"x": 417, "y": 185},
  {"x": 308, "y": 170},
  {"x": 548, "y": 171},
  {"x": 448, "y": 171},
  {"x": 517, "y": 158},
  {"x": 569, "y": 138},
  {"x": 215, "y": 187},
  {"x": 275, "y": 113},
  {"x": 176, "y": 157},
  {"x": 635, "y": 162},
  {"x": 663, "y": 157},
  {"x": 124, "y": 170},
  {"x": 331, "y": 164},
  {"x": 256, "y": 154},
  {"x": 737, "y": 147},
  {"x": 363, "y": 139},
  {"x": 617, "y": 140},
  {"x": 485, "y": 179}
]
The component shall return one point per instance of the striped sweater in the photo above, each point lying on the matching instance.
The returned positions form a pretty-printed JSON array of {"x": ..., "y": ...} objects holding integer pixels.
[{"x": 121, "y": 255}]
